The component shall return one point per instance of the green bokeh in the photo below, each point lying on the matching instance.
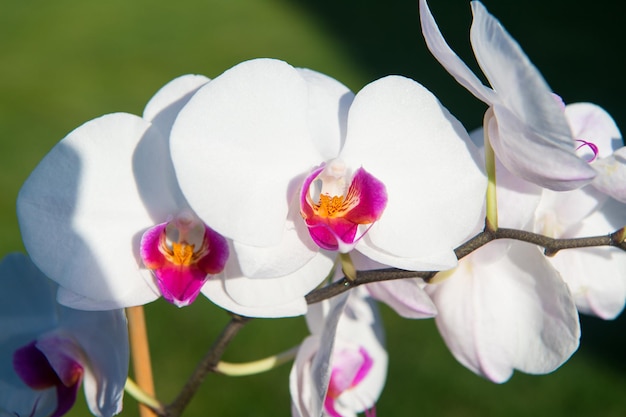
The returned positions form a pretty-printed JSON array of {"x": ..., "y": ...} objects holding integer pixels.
[{"x": 64, "y": 62}]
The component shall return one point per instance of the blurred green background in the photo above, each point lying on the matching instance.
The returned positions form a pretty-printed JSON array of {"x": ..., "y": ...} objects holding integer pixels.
[{"x": 64, "y": 62}]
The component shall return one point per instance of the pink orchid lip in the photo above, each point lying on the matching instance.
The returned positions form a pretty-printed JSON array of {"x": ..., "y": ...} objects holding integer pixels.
[
  {"x": 35, "y": 369},
  {"x": 350, "y": 367},
  {"x": 334, "y": 210},
  {"x": 183, "y": 254}
]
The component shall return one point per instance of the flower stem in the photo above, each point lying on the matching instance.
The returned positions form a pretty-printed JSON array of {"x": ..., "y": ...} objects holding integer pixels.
[
  {"x": 490, "y": 165},
  {"x": 256, "y": 367},
  {"x": 140, "y": 354},
  {"x": 140, "y": 395},
  {"x": 347, "y": 266}
]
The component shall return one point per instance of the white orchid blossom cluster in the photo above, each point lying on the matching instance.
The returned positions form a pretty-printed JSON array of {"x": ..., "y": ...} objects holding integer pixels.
[{"x": 259, "y": 186}]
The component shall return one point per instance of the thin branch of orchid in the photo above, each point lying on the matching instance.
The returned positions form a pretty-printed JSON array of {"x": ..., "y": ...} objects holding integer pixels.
[
  {"x": 551, "y": 247},
  {"x": 143, "y": 397},
  {"x": 140, "y": 352},
  {"x": 257, "y": 367},
  {"x": 207, "y": 364}
]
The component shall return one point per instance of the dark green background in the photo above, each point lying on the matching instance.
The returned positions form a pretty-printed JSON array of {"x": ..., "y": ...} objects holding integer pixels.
[{"x": 64, "y": 62}]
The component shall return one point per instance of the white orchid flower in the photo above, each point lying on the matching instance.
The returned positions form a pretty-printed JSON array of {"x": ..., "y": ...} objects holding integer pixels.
[
  {"x": 342, "y": 372},
  {"x": 505, "y": 308},
  {"x": 290, "y": 165},
  {"x": 103, "y": 216},
  {"x": 48, "y": 350},
  {"x": 524, "y": 123},
  {"x": 596, "y": 276}
]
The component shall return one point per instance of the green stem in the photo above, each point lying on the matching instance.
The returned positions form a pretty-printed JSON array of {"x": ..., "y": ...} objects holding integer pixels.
[
  {"x": 347, "y": 266},
  {"x": 140, "y": 395},
  {"x": 490, "y": 165},
  {"x": 256, "y": 367}
]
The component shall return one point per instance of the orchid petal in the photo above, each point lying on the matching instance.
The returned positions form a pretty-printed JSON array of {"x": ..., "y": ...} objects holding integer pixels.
[
  {"x": 559, "y": 211},
  {"x": 517, "y": 198},
  {"x": 532, "y": 154},
  {"x": 165, "y": 105},
  {"x": 103, "y": 336},
  {"x": 268, "y": 292},
  {"x": 596, "y": 276},
  {"x": 238, "y": 146},
  {"x": 269, "y": 262},
  {"x": 97, "y": 342},
  {"x": 513, "y": 313},
  {"x": 611, "y": 178},
  {"x": 405, "y": 296},
  {"x": 449, "y": 59},
  {"x": 23, "y": 288},
  {"x": 435, "y": 185},
  {"x": 328, "y": 105},
  {"x": 215, "y": 291},
  {"x": 530, "y": 122},
  {"x": 74, "y": 196},
  {"x": 592, "y": 123},
  {"x": 310, "y": 376}
]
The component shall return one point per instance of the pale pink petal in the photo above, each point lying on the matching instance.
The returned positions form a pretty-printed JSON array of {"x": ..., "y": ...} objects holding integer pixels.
[
  {"x": 512, "y": 313},
  {"x": 449, "y": 59},
  {"x": 531, "y": 135},
  {"x": 611, "y": 178},
  {"x": 596, "y": 276},
  {"x": 592, "y": 123}
]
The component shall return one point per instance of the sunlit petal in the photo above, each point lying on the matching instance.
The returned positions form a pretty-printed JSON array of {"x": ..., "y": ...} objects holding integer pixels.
[
  {"x": 238, "y": 145},
  {"x": 400, "y": 133}
]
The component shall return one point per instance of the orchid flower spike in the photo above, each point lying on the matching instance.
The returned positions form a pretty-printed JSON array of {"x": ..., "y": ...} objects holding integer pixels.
[
  {"x": 340, "y": 372},
  {"x": 48, "y": 350},
  {"x": 300, "y": 168},
  {"x": 524, "y": 123},
  {"x": 102, "y": 214}
]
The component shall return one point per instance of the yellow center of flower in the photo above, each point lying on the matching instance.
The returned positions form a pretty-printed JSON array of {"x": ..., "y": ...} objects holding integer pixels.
[
  {"x": 330, "y": 206},
  {"x": 182, "y": 254}
]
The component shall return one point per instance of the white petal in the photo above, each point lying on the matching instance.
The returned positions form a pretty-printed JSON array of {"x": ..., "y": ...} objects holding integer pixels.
[
  {"x": 165, "y": 105},
  {"x": 531, "y": 123},
  {"x": 270, "y": 292},
  {"x": 405, "y": 296},
  {"x": 26, "y": 298},
  {"x": 103, "y": 335},
  {"x": 83, "y": 209},
  {"x": 308, "y": 379},
  {"x": 560, "y": 211},
  {"x": 215, "y": 291},
  {"x": 596, "y": 276},
  {"x": 400, "y": 133},
  {"x": 592, "y": 123},
  {"x": 295, "y": 250},
  {"x": 329, "y": 102},
  {"x": 450, "y": 60},
  {"x": 135, "y": 295},
  {"x": 238, "y": 147},
  {"x": 518, "y": 83},
  {"x": 515, "y": 313},
  {"x": 529, "y": 150},
  {"x": 611, "y": 178}
]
